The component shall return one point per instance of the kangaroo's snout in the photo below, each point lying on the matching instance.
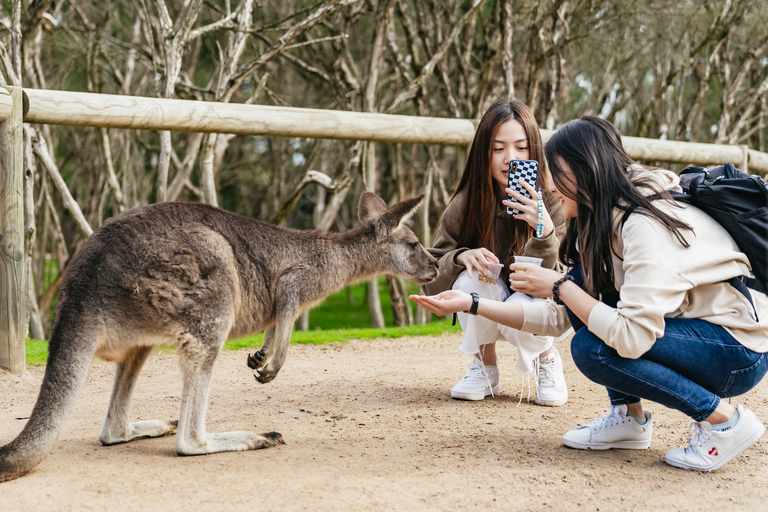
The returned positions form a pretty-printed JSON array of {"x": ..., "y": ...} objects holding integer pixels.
[{"x": 432, "y": 266}]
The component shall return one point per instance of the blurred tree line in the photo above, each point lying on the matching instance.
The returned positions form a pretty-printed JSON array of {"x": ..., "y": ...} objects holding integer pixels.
[{"x": 685, "y": 70}]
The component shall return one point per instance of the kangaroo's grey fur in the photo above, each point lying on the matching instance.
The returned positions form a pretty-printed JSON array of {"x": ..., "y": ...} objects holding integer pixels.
[{"x": 194, "y": 275}]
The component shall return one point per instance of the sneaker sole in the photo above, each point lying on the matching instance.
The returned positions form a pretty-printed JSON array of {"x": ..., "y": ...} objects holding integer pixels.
[
  {"x": 620, "y": 445},
  {"x": 746, "y": 443},
  {"x": 458, "y": 395},
  {"x": 551, "y": 403}
]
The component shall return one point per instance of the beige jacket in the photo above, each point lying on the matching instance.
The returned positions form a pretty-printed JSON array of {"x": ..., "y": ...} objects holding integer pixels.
[
  {"x": 658, "y": 278},
  {"x": 445, "y": 246}
]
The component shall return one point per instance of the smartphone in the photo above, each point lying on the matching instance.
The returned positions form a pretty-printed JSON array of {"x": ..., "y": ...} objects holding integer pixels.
[{"x": 528, "y": 170}]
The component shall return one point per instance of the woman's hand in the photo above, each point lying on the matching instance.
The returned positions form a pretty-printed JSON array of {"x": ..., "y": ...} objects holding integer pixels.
[
  {"x": 445, "y": 303},
  {"x": 532, "y": 280},
  {"x": 529, "y": 208},
  {"x": 481, "y": 259}
]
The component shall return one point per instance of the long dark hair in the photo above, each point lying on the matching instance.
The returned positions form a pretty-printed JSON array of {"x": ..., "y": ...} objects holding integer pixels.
[
  {"x": 483, "y": 195},
  {"x": 591, "y": 148}
]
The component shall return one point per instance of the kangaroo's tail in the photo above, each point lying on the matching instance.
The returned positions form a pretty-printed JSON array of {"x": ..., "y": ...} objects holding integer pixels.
[{"x": 70, "y": 352}]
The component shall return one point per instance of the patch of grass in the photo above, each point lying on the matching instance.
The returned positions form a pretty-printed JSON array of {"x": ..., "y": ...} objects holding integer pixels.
[
  {"x": 342, "y": 335},
  {"x": 348, "y": 309},
  {"x": 37, "y": 352}
]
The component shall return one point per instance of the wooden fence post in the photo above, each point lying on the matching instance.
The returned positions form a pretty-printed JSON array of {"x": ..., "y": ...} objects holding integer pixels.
[
  {"x": 745, "y": 159},
  {"x": 13, "y": 275}
]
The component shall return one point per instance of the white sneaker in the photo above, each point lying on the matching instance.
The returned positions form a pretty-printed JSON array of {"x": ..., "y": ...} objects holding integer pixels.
[
  {"x": 709, "y": 449},
  {"x": 614, "y": 430},
  {"x": 479, "y": 382},
  {"x": 550, "y": 381}
]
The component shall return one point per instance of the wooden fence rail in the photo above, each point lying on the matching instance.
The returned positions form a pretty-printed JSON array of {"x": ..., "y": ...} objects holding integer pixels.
[{"x": 130, "y": 112}]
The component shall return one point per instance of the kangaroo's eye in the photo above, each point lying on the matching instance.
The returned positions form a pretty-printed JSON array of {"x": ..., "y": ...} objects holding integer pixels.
[{"x": 414, "y": 245}]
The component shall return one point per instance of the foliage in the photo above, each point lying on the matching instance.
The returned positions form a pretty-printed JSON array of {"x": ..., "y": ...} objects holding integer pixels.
[{"x": 694, "y": 70}]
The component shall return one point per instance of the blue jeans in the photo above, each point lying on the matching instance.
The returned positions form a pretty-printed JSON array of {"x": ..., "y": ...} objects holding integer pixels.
[{"x": 689, "y": 369}]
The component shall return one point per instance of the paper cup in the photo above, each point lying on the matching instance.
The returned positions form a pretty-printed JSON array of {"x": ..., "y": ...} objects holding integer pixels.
[{"x": 527, "y": 259}]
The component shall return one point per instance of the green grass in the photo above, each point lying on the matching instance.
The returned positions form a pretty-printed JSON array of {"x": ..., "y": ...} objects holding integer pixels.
[
  {"x": 342, "y": 335},
  {"x": 341, "y": 317},
  {"x": 37, "y": 352}
]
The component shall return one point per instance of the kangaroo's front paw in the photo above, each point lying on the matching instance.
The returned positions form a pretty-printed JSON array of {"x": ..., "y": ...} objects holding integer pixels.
[
  {"x": 265, "y": 374},
  {"x": 254, "y": 361}
]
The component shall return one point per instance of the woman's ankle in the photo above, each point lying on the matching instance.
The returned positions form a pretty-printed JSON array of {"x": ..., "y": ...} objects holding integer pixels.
[
  {"x": 487, "y": 354},
  {"x": 636, "y": 410},
  {"x": 721, "y": 414}
]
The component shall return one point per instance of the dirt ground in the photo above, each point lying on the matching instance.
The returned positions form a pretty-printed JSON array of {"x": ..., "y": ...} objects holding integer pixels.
[{"x": 369, "y": 425}]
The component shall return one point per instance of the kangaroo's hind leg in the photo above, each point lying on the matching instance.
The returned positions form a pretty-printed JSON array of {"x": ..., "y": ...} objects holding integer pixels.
[
  {"x": 197, "y": 359},
  {"x": 118, "y": 427}
]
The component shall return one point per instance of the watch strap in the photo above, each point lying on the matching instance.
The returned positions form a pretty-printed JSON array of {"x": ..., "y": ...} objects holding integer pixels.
[{"x": 475, "y": 303}]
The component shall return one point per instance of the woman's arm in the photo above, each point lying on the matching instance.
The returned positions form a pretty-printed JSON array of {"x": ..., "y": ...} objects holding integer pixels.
[
  {"x": 454, "y": 259},
  {"x": 538, "y": 282},
  {"x": 530, "y": 279},
  {"x": 455, "y": 301}
]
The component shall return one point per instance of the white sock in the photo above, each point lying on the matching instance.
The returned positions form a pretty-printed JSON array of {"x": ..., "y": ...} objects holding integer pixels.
[{"x": 721, "y": 427}]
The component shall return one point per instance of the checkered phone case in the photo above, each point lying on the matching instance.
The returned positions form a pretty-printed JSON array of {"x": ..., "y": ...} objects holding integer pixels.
[{"x": 528, "y": 170}]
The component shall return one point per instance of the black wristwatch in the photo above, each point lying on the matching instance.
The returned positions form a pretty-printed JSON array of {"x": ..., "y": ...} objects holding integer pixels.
[
  {"x": 472, "y": 308},
  {"x": 475, "y": 303},
  {"x": 556, "y": 288}
]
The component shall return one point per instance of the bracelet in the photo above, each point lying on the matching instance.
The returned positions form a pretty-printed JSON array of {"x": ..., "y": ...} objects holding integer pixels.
[
  {"x": 540, "y": 219},
  {"x": 556, "y": 288}
]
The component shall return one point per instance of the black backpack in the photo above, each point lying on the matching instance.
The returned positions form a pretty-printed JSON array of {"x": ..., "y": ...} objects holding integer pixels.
[{"x": 739, "y": 202}]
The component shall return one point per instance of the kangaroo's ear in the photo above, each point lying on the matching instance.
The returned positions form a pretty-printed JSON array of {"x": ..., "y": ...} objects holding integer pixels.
[
  {"x": 400, "y": 213},
  {"x": 370, "y": 207}
]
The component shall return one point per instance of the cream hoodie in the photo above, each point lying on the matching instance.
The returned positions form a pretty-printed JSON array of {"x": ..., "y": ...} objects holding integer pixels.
[{"x": 658, "y": 278}]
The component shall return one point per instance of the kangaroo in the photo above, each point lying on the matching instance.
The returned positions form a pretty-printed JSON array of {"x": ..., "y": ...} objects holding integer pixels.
[{"x": 194, "y": 275}]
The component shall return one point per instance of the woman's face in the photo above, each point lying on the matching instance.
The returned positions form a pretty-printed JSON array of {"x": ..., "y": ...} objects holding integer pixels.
[
  {"x": 510, "y": 143},
  {"x": 570, "y": 207}
]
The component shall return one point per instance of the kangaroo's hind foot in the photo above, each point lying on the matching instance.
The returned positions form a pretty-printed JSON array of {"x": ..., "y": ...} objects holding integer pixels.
[
  {"x": 137, "y": 430},
  {"x": 117, "y": 427},
  {"x": 237, "y": 441},
  {"x": 197, "y": 358}
]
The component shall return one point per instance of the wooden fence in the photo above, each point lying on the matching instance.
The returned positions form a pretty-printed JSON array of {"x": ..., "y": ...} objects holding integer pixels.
[{"x": 18, "y": 106}]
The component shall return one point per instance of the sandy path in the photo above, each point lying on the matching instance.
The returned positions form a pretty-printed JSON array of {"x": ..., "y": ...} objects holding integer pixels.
[{"x": 369, "y": 425}]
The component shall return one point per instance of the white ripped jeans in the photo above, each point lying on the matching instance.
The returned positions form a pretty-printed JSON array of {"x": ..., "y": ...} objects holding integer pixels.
[{"x": 480, "y": 331}]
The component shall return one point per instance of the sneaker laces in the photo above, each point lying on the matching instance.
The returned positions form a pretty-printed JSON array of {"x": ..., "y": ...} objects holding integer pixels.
[
  {"x": 526, "y": 381},
  {"x": 479, "y": 370},
  {"x": 485, "y": 372},
  {"x": 699, "y": 438},
  {"x": 613, "y": 417},
  {"x": 538, "y": 370},
  {"x": 544, "y": 371}
]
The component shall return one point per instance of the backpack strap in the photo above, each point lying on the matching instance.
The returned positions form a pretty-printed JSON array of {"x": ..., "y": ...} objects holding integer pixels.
[
  {"x": 739, "y": 283},
  {"x": 755, "y": 284}
]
